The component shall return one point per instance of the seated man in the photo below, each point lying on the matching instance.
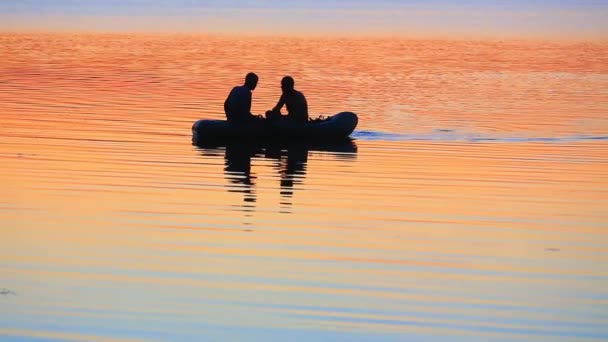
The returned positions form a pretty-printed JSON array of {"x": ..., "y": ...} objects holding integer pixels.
[
  {"x": 297, "y": 107},
  {"x": 238, "y": 104}
]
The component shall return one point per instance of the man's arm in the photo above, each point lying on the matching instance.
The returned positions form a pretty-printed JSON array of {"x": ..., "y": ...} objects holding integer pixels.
[
  {"x": 247, "y": 104},
  {"x": 279, "y": 105},
  {"x": 227, "y": 102}
]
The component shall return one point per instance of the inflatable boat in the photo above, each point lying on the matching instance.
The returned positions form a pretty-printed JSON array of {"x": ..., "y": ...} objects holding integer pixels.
[{"x": 334, "y": 128}]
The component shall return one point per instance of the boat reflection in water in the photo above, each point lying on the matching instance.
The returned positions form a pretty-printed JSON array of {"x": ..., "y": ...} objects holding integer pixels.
[{"x": 291, "y": 160}]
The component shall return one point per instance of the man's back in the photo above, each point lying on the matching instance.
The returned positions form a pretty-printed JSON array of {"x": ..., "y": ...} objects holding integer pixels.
[
  {"x": 238, "y": 104},
  {"x": 297, "y": 107}
]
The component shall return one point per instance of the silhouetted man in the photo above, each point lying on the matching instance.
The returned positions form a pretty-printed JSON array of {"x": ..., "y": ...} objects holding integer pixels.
[
  {"x": 297, "y": 107},
  {"x": 238, "y": 104}
]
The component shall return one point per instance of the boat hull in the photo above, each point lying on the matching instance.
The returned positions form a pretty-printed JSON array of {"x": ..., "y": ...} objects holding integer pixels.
[{"x": 337, "y": 127}]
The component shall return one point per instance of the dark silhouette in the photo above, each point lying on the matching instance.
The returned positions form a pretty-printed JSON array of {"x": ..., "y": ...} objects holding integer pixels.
[
  {"x": 292, "y": 169},
  {"x": 291, "y": 165},
  {"x": 295, "y": 101},
  {"x": 238, "y": 103},
  {"x": 237, "y": 161}
]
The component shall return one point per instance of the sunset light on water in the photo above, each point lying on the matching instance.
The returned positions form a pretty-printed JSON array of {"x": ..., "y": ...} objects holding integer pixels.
[{"x": 469, "y": 204}]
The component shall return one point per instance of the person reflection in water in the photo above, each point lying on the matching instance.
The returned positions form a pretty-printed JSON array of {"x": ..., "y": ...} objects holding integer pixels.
[
  {"x": 295, "y": 101},
  {"x": 292, "y": 169},
  {"x": 238, "y": 103},
  {"x": 291, "y": 164},
  {"x": 237, "y": 169}
]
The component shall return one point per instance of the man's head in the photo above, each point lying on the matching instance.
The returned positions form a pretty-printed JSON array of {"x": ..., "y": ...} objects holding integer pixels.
[
  {"x": 287, "y": 84},
  {"x": 251, "y": 80}
]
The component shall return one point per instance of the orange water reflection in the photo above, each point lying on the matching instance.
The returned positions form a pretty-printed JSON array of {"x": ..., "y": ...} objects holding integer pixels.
[{"x": 112, "y": 221}]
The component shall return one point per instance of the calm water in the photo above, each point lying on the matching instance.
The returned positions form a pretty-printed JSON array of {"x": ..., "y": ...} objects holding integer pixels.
[{"x": 471, "y": 204}]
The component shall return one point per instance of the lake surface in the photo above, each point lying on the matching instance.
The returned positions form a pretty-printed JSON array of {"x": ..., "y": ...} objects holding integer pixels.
[{"x": 471, "y": 204}]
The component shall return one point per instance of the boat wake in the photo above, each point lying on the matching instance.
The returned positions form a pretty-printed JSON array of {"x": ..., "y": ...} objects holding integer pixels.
[{"x": 449, "y": 135}]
